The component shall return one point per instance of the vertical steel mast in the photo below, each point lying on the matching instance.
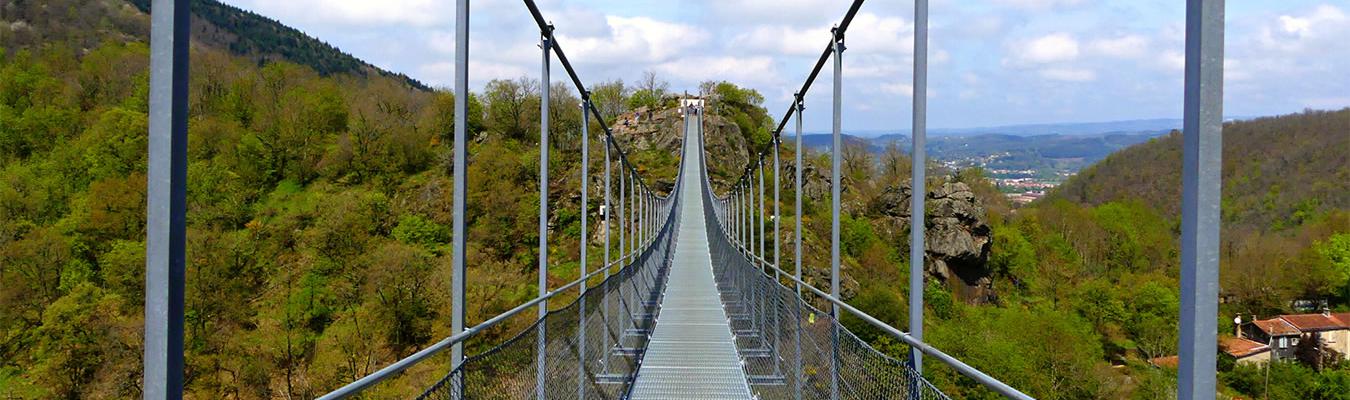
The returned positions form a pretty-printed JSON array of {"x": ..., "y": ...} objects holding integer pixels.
[
  {"x": 1201, "y": 171},
  {"x": 166, "y": 192},
  {"x": 836, "y": 186},
  {"x": 459, "y": 157},
  {"x": 917, "y": 217},
  {"x": 546, "y": 44}
]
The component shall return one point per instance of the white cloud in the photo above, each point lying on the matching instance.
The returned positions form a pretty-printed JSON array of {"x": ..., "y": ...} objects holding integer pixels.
[
  {"x": 1172, "y": 60},
  {"x": 635, "y": 40},
  {"x": 1126, "y": 46},
  {"x": 1303, "y": 26},
  {"x": 869, "y": 33},
  {"x": 1294, "y": 33},
  {"x": 1051, "y": 48},
  {"x": 753, "y": 70},
  {"x": 793, "y": 12},
  {"x": 785, "y": 40}
]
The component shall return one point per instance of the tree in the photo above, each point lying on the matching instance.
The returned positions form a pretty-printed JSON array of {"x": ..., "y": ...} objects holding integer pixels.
[
  {"x": 610, "y": 99},
  {"x": 400, "y": 279},
  {"x": 564, "y": 109},
  {"x": 116, "y": 209},
  {"x": 895, "y": 165},
  {"x": 440, "y": 116},
  {"x": 859, "y": 163},
  {"x": 1153, "y": 318},
  {"x": 1335, "y": 251},
  {"x": 81, "y": 334},
  {"x": 651, "y": 92},
  {"x": 509, "y": 105},
  {"x": 118, "y": 143},
  {"x": 651, "y": 83}
]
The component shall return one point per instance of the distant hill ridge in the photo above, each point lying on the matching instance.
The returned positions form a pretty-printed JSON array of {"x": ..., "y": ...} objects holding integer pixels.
[
  {"x": 1277, "y": 171},
  {"x": 248, "y": 34}
]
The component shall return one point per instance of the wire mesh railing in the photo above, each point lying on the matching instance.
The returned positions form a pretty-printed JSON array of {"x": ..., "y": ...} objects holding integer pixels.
[
  {"x": 593, "y": 347},
  {"x": 793, "y": 350},
  {"x": 789, "y": 348},
  {"x": 616, "y": 317}
]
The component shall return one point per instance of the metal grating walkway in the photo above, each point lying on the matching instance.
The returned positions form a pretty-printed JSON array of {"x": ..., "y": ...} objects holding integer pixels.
[{"x": 692, "y": 354}]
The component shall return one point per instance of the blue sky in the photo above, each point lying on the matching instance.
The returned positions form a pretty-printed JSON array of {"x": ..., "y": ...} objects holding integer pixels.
[{"x": 992, "y": 62}]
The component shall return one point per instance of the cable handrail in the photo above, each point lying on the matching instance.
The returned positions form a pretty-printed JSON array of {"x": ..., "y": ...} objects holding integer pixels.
[
  {"x": 777, "y": 134},
  {"x": 406, "y": 362},
  {"x": 548, "y": 28}
]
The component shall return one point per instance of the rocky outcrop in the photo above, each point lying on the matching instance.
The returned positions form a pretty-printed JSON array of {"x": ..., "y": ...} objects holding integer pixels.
[
  {"x": 645, "y": 129},
  {"x": 957, "y": 236},
  {"x": 815, "y": 182}
]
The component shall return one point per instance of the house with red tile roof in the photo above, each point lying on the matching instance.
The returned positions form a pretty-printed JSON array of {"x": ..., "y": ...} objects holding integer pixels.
[
  {"x": 1283, "y": 333},
  {"x": 1246, "y": 351}
]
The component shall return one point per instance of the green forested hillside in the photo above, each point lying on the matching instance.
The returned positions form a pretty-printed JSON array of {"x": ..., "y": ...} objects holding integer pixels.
[
  {"x": 319, "y": 213},
  {"x": 85, "y": 24},
  {"x": 1278, "y": 172},
  {"x": 1102, "y": 252}
]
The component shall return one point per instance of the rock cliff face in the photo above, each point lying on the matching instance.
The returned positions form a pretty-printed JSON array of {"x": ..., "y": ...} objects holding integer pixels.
[
  {"x": 957, "y": 237},
  {"x": 815, "y": 182},
  {"x": 648, "y": 130}
]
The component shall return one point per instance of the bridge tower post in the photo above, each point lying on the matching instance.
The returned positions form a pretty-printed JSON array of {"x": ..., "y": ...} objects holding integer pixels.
[
  {"x": 166, "y": 190},
  {"x": 797, "y": 243},
  {"x": 836, "y": 186},
  {"x": 1202, "y": 152},
  {"x": 546, "y": 45},
  {"x": 585, "y": 242},
  {"x": 917, "y": 217},
  {"x": 459, "y": 163}
]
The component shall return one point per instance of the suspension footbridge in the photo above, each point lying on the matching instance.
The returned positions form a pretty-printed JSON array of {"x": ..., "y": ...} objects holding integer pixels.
[{"x": 694, "y": 302}]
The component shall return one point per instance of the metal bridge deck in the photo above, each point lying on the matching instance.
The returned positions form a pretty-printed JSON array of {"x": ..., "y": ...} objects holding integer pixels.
[{"x": 692, "y": 354}]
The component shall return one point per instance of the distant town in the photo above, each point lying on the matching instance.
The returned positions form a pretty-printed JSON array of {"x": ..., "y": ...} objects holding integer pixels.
[
  {"x": 1021, "y": 185},
  {"x": 1025, "y": 162}
]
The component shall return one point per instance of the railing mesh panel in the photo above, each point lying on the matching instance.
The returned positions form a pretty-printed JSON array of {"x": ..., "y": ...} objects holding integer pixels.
[
  {"x": 618, "y": 318},
  {"x": 775, "y": 329}
]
